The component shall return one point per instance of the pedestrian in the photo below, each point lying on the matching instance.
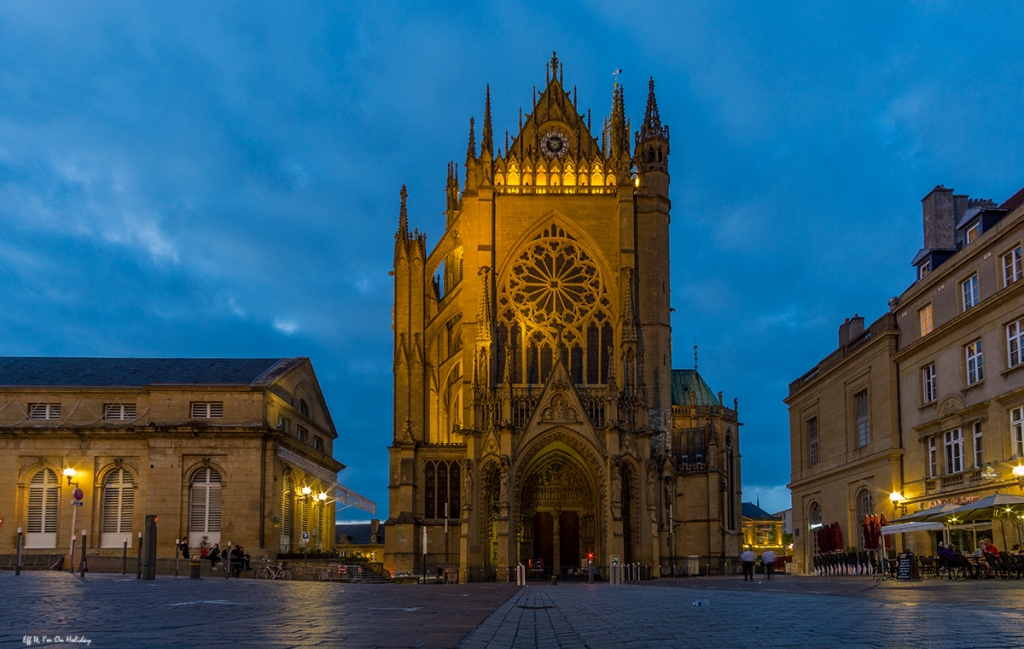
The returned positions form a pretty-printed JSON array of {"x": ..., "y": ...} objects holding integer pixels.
[
  {"x": 748, "y": 557},
  {"x": 214, "y": 556},
  {"x": 183, "y": 546},
  {"x": 769, "y": 564},
  {"x": 204, "y": 547}
]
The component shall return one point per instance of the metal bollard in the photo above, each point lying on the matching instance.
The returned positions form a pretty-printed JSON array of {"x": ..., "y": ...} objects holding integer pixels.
[
  {"x": 175, "y": 557},
  {"x": 74, "y": 541},
  {"x": 138, "y": 567},
  {"x": 17, "y": 566},
  {"x": 83, "y": 567},
  {"x": 124, "y": 558},
  {"x": 195, "y": 568}
]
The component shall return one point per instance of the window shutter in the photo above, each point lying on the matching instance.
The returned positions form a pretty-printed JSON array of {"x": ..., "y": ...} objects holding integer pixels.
[
  {"x": 205, "y": 505},
  {"x": 216, "y": 410},
  {"x": 54, "y": 411},
  {"x": 129, "y": 410},
  {"x": 286, "y": 507},
  {"x": 198, "y": 412},
  {"x": 37, "y": 411},
  {"x": 111, "y": 506},
  {"x": 35, "y": 509}
]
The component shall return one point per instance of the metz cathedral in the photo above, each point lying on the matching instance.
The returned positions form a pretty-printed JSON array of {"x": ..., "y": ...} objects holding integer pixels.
[{"x": 537, "y": 417}]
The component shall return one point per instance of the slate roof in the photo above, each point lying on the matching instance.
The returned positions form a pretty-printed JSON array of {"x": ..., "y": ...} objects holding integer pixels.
[
  {"x": 753, "y": 512},
  {"x": 1014, "y": 201},
  {"x": 686, "y": 381},
  {"x": 58, "y": 371}
]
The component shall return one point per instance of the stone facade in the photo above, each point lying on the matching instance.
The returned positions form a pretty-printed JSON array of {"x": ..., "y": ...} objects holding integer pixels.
[
  {"x": 534, "y": 405},
  {"x": 219, "y": 448},
  {"x": 944, "y": 410}
]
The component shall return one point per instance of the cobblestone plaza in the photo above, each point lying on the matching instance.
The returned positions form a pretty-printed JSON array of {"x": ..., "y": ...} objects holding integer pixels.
[{"x": 115, "y": 611}]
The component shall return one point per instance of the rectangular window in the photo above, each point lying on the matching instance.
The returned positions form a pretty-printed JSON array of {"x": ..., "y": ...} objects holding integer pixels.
[
  {"x": 44, "y": 411},
  {"x": 925, "y": 318},
  {"x": 1012, "y": 270},
  {"x": 282, "y": 423},
  {"x": 1017, "y": 431},
  {"x": 1015, "y": 343},
  {"x": 119, "y": 411},
  {"x": 924, "y": 269},
  {"x": 318, "y": 443},
  {"x": 954, "y": 452},
  {"x": 970, "y": 291},
  {"x": 975, "y": 370},
  {"x": 928, "y": 383},
  {"x": 207, "y": 410},
  {"x": 974, "y": 232},
  {"x": 302, "y": 434},
  {"x": 933, "y": 458},
  {"x": 863, "y": 428},
  {"x": 979, "y": 446},
  {"x": 812, "y": 440}
]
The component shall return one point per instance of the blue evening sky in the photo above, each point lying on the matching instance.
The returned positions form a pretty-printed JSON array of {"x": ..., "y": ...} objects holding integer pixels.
[{"x": 221, "y": 179}]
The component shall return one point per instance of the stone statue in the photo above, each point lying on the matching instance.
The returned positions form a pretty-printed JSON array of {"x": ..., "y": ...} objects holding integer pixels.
[
  {"x": 506, "y": 464},
  {"x": 616, "y": 481},
  {"x": 467, "y": 483}
]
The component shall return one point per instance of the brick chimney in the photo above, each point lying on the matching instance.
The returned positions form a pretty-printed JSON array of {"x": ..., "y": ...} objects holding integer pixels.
[
  {"x": 850, "y": 329},
  {"x": 939, "y": 212}
]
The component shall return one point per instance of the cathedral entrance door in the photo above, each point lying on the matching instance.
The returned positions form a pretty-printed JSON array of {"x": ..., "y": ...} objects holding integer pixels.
[
  {"x": 569, "y": 541},
  {"x": 544, "y": 539}
]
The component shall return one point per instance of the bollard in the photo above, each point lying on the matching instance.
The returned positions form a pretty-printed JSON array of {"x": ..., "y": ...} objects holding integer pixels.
[
  {"x": 82, "y": 567},
  {"x": 590, "y": 571},
  {"x": 195, "y": 567},
  {"x": 138, "y": 565},
  {"x": 175, "y": 557},
  {"x": 74, "y": 541},
  {"x": 17, "y": 566},
  {"x": 554, "y": 580},
  {"x": 149, "y": 569},
  {"x": 124, "y": 558}
]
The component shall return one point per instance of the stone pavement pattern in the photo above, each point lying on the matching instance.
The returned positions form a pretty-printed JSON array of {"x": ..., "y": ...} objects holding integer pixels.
[
  {"x": 113, "y": 611},
  {"x": 801, "y": 612}
]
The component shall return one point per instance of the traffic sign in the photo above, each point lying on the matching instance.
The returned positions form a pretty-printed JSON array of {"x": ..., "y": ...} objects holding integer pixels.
[
  {"x": 77, "y": 503},
  {"x": 78, "y": 494},
  {"x": 341, "y": 570},
  {"x": 305, "y": 536}
]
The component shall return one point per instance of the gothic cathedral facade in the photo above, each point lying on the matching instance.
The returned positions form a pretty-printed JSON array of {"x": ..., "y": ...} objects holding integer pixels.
[{"x": 536, "y": 415}]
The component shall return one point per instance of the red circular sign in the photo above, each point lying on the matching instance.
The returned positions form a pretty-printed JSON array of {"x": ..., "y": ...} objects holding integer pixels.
[
  {"x": 341, "y": 570},
  {"x": 78, "y": 494}
]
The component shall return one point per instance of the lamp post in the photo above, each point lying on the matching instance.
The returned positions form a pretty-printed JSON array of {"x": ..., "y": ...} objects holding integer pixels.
[{"x": 69, "y": 473}]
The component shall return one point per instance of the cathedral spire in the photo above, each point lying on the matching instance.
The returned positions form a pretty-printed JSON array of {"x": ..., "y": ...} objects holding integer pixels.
[
  {"x": 471, "y": 149},
  {"x": 651, "y": 117},
  {"x": 487, "y": 135},
  {"x": 403, "y": 216}
]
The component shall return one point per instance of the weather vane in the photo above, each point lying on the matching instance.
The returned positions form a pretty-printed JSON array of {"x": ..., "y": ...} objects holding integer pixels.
[{"x": 615, "y": 73}]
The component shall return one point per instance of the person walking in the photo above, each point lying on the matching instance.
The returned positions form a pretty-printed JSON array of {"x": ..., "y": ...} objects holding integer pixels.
[
  {"x": 183, "y": 546},
  {"x": 748, "y": 557},
  {"x": 769, "y": 564}
]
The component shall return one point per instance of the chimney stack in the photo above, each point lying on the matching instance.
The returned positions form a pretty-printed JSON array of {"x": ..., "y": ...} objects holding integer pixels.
[
  {"x": 850, "y": 329},
  {"x": 939, "y": 214}
]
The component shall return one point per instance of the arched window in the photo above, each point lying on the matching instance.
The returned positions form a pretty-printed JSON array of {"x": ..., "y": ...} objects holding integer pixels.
[
  {"x": 204, "y": 507},
  {"x": 865, "y": 504},
  {"x": 814, "y": 522},
  {"x": 118, "y": 509},
  {"x": 41, "y": 530},
  {"x": 442, "y": 486},
  {"x": 303, "y": 408},
  {"x": 287, "y": 511}
]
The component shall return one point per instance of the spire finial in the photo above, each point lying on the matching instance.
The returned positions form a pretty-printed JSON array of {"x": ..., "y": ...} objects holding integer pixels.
[
  {"x": 471, "y": 149},
  {"x": 486, "y": 135},
  {"x": 554, "y": 65},
  {"x": 403, "y": 215},
  {"x": 651, "y": 116},
  {"x": 694, "y": 355}
]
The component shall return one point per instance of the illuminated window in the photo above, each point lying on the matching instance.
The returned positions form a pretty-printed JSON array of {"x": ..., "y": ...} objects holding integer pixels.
[
  {"x": 933, "y": 458},
  {"x": 1012, "y": 270},
  {"x": 1015, "y": 343},
  {"x": 974, "y": 232},
  {"x": 925, "y": 318},
  {"x": 954, "y": 451},
  {"x": 928, "y": 383},
  {"x": 865, "y": 504},
  {"x": 979, "y": 446},
  {"x": 863, "y": 426},
  {"x": 814, "y": 523},
  {"x": 924, "y": 269},
  {"x": 975, "y": 371},
  {"x": 1017, "y": 431},
  {"x": 969, "y": 290}
]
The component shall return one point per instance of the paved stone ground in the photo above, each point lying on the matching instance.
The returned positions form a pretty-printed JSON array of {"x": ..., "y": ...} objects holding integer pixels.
[
  {"x": 786, "y": 612},
  {"x": 112, "y": 611}
]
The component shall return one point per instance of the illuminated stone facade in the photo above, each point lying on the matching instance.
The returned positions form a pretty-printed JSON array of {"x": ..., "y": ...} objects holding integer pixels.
[
  {"x": 216, "y": 448},
  {"x": 535, "y": 405}
]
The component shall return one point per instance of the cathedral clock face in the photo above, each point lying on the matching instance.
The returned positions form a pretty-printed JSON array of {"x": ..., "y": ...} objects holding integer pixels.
[{"x": 554, "y": 144}]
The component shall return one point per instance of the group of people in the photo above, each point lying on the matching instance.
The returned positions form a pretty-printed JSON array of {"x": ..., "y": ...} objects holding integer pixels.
[
  {"x": 748, "y": 558},
  {"x": 212, "y": 552},
  {"x": 987, "y": 554}
]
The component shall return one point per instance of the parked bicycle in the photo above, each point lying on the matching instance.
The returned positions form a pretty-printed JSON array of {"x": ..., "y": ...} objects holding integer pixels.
[{"x": 275, "y": 571}]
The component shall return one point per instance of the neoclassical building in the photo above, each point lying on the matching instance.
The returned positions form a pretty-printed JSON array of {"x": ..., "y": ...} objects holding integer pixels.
[
  {"x": 536, "y": 413},
  {"x": 235, "y": 450}
]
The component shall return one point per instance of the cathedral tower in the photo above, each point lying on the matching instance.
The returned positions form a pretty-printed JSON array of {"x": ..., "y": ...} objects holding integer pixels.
[{"x": 534, "y": 396}]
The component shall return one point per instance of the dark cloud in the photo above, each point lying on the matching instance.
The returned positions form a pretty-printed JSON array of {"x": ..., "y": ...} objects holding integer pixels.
[{"x": 222, "y": 179}]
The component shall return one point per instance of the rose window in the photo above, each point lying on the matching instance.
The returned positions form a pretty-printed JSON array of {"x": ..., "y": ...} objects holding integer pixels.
[{"x": 554, "y": 282}]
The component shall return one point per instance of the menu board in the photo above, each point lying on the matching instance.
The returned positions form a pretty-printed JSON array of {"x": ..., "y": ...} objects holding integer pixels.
[{"x": 904, "y": 565}]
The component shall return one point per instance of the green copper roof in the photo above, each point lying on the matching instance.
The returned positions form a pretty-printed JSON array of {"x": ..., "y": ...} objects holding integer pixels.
[{"x": 686, "y": 381}]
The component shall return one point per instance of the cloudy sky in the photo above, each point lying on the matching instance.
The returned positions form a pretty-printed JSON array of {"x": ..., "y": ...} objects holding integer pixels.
[{"x": 188, "y": 179}]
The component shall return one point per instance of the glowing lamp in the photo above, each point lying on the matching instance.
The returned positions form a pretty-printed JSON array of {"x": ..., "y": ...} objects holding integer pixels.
[
  {"x": 322, "y": 496},
  {"x": 306, "y": 490},
  {"x": 69, "y": 473},
  {"x": 1018, "y": 472}
]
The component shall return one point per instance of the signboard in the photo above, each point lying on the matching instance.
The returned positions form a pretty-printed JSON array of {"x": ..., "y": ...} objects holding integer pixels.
[
  {"x": 341, "y": 570},
  {"x": 305, "y": 536},
  {"x": 77, "y": 503},
  {"x": 78, "y": 494},
  {"x": 904, "y": 565},
  {"x": 615, "y": 559}
]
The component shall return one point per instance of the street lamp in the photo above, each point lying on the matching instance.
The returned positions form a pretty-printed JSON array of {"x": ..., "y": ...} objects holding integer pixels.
[
  {"x": 1018, "y": 472},
  {"x": 896, "y": 498},
  {"x": 69, "y": 473}
]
